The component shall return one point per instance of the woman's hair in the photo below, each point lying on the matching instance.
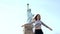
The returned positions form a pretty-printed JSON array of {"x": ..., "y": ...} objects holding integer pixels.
[{"x": 36, "y": 17}]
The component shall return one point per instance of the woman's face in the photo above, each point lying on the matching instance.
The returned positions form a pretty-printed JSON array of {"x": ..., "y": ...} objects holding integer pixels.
[{"x": 38, "y": 17}]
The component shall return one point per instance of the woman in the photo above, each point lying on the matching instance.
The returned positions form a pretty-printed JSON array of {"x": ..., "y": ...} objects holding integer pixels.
[{"x": 38, "y": 23}]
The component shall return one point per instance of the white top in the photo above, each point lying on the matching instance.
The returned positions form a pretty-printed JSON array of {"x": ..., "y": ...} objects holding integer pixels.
[{"x": 37, "y": 24}]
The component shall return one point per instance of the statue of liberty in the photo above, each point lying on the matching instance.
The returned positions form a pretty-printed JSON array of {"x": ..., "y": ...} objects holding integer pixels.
[{"x": 29, "y": 14}]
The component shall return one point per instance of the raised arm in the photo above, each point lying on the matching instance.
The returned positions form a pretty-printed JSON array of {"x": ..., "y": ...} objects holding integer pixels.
[{"x": 46, "y": 26}]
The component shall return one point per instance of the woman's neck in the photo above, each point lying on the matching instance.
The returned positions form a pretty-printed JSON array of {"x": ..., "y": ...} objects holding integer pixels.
[{"x": 37, "y": 19}]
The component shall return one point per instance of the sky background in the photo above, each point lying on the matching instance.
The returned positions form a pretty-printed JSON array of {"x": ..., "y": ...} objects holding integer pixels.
[{"x": 13, "y": 14}]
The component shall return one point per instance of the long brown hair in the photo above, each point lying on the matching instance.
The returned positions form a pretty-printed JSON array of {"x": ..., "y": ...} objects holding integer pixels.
[{"x": 36, "y": 17}]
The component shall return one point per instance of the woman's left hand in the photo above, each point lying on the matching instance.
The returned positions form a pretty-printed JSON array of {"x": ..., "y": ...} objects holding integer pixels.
[{"x": 50, "y": 29}]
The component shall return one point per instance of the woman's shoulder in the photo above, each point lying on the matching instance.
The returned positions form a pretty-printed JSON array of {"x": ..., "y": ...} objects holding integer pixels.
[{"x": 33, "y": 20}]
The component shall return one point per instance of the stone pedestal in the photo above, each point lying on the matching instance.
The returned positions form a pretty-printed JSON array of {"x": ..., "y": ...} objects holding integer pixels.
[{"x": 28, "y": 29}]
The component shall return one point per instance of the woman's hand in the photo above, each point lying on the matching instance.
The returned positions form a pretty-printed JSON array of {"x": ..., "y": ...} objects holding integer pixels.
[
  {"x": 50, "y": 29},
  {"x": 46, "y": 26}
]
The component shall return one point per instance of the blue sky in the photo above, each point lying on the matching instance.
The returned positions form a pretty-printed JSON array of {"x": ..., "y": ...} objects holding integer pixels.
[{"x": 13, "y": 15}]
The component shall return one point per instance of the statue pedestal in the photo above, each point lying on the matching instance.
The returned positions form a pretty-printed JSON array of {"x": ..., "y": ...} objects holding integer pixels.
[{"x": 28, "y": 29}]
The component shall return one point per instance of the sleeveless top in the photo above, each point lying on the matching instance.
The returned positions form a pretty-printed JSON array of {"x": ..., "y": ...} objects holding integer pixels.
[{"x": 37, "y": 23}]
